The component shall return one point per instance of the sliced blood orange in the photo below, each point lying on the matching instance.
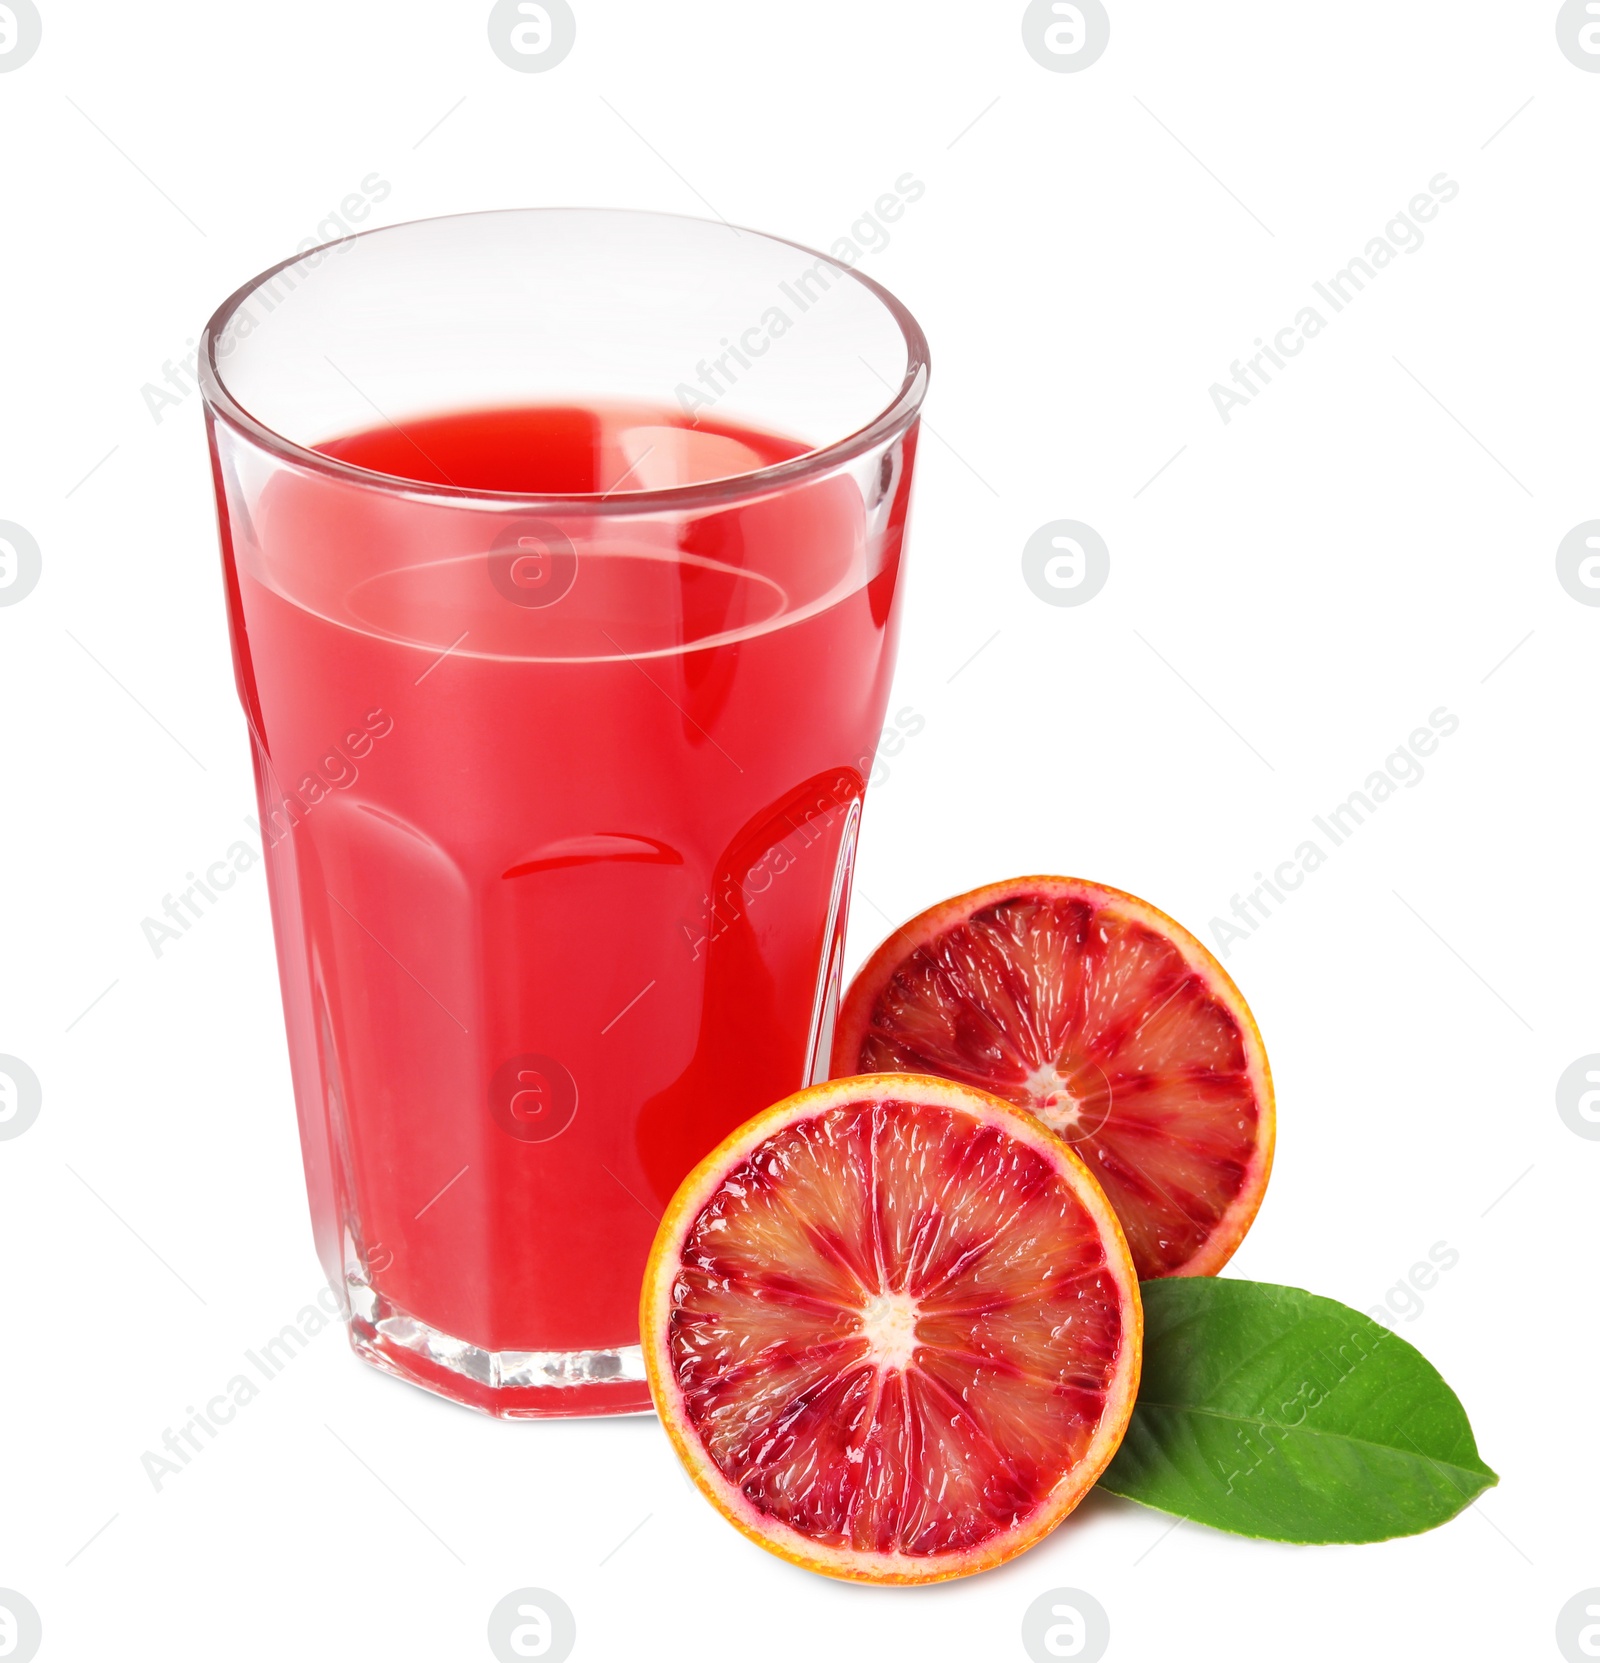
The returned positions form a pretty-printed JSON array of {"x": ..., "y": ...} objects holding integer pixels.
[
  {"x": 892, "y": 1328},
  {"x": 1107, "y": 1020}
]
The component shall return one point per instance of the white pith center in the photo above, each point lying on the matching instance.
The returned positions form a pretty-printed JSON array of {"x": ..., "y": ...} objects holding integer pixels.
[
  {"x": 889, "y": 1321},
  {"x": 1053, "y": 1102}
]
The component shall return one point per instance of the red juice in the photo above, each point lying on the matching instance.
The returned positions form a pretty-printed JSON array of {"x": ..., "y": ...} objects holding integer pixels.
[{"x": 560, "y": 810}]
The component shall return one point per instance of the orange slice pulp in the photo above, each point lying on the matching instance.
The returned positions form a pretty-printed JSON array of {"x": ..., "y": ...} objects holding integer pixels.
[
  {"x": 1108, "y": 1021},
  {"x": 892, "y": 1329}
]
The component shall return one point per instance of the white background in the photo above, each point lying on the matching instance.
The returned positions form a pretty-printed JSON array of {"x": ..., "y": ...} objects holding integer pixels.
[{"x": 1365, "y": 542}]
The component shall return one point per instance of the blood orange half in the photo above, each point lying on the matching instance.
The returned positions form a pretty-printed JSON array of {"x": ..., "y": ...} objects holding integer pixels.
[
  {"x": 1107, "y": 1020},
  {"x": 892, "y": 1328}
]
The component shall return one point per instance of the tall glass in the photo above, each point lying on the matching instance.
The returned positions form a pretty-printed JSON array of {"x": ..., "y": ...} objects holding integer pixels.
[{"x": 559, "y": 789}]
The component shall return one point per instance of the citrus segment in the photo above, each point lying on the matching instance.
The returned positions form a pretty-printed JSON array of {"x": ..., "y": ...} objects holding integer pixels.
[
  {"x": 1106, "y": 1020},
  {"x": 893, "y": 1329}
]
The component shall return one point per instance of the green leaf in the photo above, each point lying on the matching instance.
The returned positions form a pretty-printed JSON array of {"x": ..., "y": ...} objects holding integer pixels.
[{"x": 1272, "y": 1412}]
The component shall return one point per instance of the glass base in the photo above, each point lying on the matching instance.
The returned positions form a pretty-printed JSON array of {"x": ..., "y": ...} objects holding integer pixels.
[{"x": 514, "y": 1385}]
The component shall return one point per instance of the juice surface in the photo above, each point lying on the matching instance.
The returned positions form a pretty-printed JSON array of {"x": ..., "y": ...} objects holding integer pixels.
[{"x": 559, "y": 812}]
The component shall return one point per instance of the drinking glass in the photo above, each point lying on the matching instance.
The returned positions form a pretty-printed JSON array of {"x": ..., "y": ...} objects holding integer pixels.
[{"x": 559, "y": 787}]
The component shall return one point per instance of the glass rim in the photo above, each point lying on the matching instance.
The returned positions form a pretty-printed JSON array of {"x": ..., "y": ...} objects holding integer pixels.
[{"x": 895, "y": 416}]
